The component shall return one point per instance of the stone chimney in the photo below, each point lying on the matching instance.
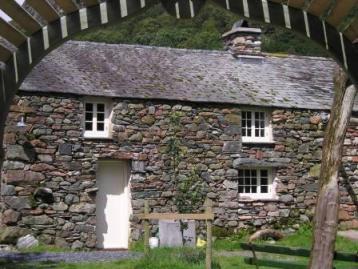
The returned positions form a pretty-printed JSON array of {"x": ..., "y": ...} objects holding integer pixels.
[{"x": 243, "y": 40}]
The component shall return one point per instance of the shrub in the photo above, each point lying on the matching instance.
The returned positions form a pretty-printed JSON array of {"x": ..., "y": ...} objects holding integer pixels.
[
  {"x": 192, "y": 255},
  {"x": 222, "y": 232}
]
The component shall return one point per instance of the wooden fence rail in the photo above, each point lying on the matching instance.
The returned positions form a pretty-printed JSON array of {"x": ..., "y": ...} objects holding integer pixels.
[
  {"x": 208, "y": 216},
  {"x": 299, "y": 252}
]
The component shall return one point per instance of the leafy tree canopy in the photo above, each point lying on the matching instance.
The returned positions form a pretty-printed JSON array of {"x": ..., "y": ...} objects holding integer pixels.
[{"x": 155, "y": 27}]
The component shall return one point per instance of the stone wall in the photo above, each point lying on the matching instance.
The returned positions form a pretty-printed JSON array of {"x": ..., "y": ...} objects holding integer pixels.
[
  {"x": 50, "y": 158},
  {"x": 243, "y": 41}
]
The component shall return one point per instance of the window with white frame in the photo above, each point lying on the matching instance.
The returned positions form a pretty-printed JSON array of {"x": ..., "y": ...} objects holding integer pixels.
[
  {"x": 255, "y": 126},
  {"x": 256, "y": 183},
  {"x": 97, "y": 118}
]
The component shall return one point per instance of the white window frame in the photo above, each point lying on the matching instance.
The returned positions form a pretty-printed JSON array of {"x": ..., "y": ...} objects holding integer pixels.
[
  {"x": 267, "y": 138},
  {"x": 107, "y": 118},
  {"x": 271, "y": 185}
]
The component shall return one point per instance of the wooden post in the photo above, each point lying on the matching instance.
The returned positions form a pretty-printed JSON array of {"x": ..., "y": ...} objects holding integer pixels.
[
  {"x": 146, "y": 229},
  {"x": 209, "y": 210},
  {"x": 326, "y": 214}
]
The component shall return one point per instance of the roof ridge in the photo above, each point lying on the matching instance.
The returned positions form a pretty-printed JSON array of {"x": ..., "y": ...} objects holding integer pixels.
[
  {"x": 207, "y": 51},
  {"x": 148, "y": 47}
]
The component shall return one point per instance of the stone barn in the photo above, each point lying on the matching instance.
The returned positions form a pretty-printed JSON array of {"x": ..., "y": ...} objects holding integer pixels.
[{"x": 88, "y": 133}]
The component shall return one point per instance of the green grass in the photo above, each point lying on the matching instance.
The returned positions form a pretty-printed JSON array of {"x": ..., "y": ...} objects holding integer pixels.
[
  {"x": 226, "y": 252},
  {"x": 303, "y": 239}
]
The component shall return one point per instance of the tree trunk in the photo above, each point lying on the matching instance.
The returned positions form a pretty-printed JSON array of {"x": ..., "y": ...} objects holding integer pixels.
[{"x": 326, "y": 213}]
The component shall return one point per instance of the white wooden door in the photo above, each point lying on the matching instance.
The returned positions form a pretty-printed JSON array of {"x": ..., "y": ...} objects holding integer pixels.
[{"x": 113, "y": 205}]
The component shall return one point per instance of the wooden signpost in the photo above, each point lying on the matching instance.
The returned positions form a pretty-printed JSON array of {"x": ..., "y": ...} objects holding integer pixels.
[{"x": 208, "y": 216}]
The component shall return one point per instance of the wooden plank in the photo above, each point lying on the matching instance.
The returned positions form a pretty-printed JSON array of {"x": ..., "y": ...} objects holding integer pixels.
[
  {"x": 175, "y": 216},
  {"x": 275, "y": 263},
  {"x": 301, "y": 252},
  {"x": 341, "y": 9},
  {"x": 146, "y": 229},
  {"x": 346, "y": 257},
  {"x": 21, "y": 16},
  {"x": 67, "y": 5},
  {"x": 4, "y": 53},
  {"x": 291, "y": 3},
  {"x": 209, "y": 234},
  {"x": 296, "y": 3},
  {"x": 89, "y": 3},
  {"x": 277, "y": 249},
  {"x": 10, "y": 33},
  {"x": 44, "y": 9},
  {"x": 318, "y": 7},
  {"x": 352, "y": 31}
]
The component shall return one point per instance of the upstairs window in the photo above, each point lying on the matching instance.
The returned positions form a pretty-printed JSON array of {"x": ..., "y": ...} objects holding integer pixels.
[
  {"x": 255, "y": 126},
  {"x": 256, "y": 183},
  {"x": 97, "y": 118}
]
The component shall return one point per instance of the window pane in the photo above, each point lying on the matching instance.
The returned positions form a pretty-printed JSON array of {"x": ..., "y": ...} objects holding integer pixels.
[
  {"x": 88, "y": 126},
  {"x": 89, "y": 107},
  {"x": 100, "y": 126},
  {"x": 100, "y": 116},
  {"x": 262, "y": 132},
  {"x": 243, "y": 132},
  {"x": 243, "y": 120},
  {"x": 249, "y": 181},
  {"x": 245, "y": 115},
  {"x": 246, "y": 123},
  {"x": 257, "y": 132},
  {"x": 249, "y": 122},
  {"x": 100, "y": 107},
  {"x": 89, "y": 116}
]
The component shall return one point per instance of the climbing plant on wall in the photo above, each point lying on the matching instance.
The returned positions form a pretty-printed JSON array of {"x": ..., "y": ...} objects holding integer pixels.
[{"x": 190, "y": 188}]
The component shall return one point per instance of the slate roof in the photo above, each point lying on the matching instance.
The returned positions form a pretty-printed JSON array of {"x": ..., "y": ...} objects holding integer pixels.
[{"x": 133, "y": 71}]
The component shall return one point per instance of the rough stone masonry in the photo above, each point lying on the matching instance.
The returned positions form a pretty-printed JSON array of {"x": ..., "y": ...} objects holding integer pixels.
[{"x": 49, "y": 176}]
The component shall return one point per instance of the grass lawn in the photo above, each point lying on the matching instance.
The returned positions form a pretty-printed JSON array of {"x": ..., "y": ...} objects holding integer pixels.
[{"x": 225, "y": 256}]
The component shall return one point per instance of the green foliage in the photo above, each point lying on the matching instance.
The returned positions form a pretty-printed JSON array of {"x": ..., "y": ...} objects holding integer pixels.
[
  {"x": 189, "y": 189},
  {"x": 222, "y": 232},
  {"x": 156, "y": 28},
  {"x": 278, "y": 40},
  {"x": 192, "y": 255},
  {"x": 232, "y": 243},
  {"x": 191, "y": 192}
]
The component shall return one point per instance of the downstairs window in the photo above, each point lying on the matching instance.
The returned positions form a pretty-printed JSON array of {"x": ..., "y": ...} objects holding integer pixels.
[{"x": 256, "y": 183}]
